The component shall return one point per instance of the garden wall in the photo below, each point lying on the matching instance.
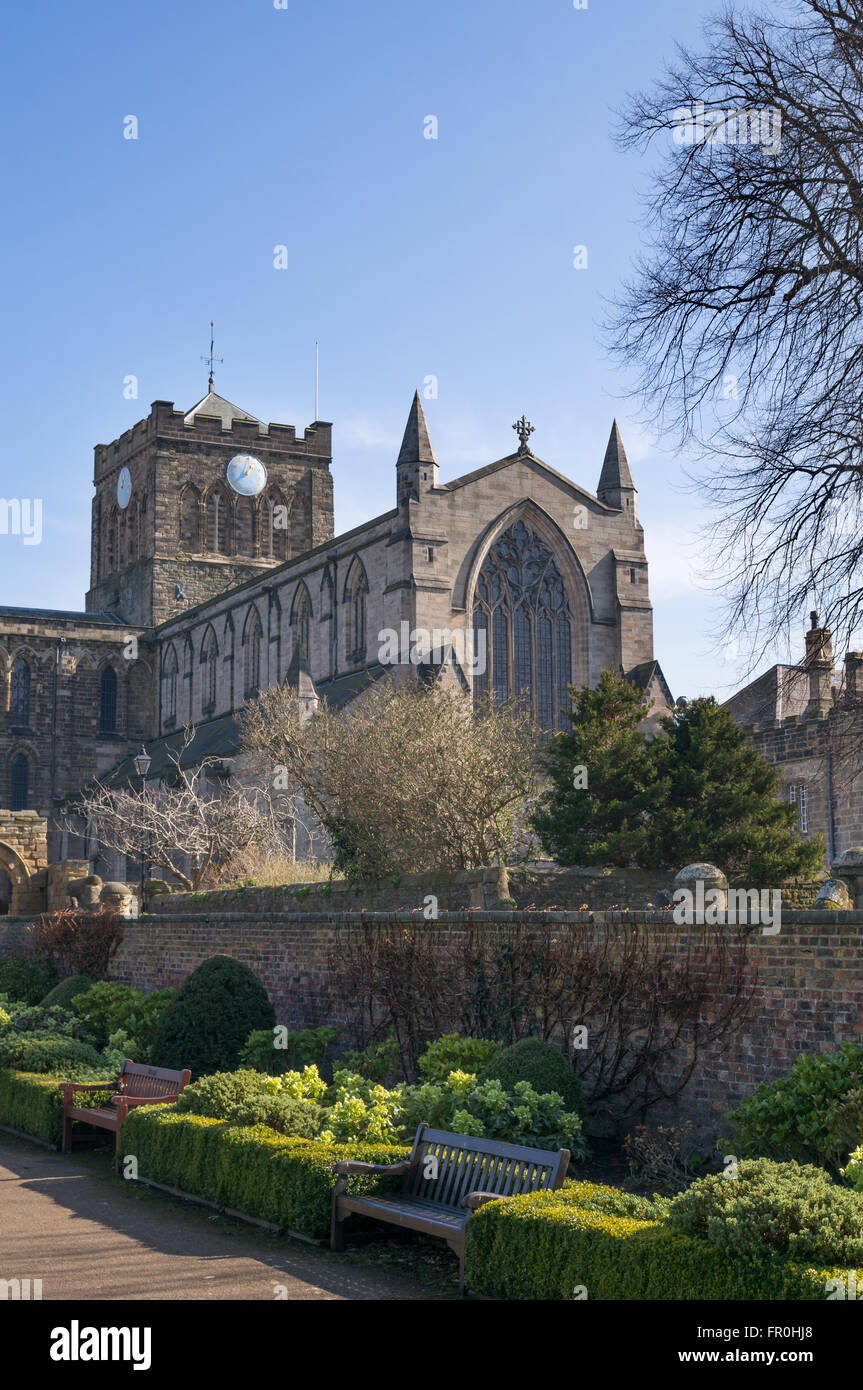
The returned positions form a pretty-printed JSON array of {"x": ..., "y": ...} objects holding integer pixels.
[{"x": 809, "y": 981}]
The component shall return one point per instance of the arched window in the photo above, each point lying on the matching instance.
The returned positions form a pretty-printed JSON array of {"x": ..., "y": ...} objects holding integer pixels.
[
  {"x": 20, "y": 782},
  {"x": 189, "y": 522},
  {"x": 522, "y": 627},
  {"x": 218, "y": 519},
  {"x": 252, "y": 654},
  {"x": 356, "y": 592},
  {"x": 21, "y": 693},
  {"x": 108, "y": 701},
  {"x": 169, "y": 687},
  {"x": 209, "y": 661},
  {"x": 301, "y": 622},
  {"x": 274, "y": 540},
  {"x": 246, "y": 525}
]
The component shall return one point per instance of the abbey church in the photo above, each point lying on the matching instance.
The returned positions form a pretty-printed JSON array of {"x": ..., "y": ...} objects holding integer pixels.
[{"x": 215, "y": 572}]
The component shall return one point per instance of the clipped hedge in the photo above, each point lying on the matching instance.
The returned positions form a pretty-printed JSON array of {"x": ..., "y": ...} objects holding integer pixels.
[
  {"x": 548, "y": 1245},
  {"x": 283, "y": 1180},
  {"x": 32, "y": 1104}
]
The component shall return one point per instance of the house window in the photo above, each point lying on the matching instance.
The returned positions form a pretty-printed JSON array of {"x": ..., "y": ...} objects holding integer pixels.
[
  {"x": 108, "y": 701},
  {"x": 21, "y": 693},
  {"x": 20, "y": 782},
  {"x": 522, "y": 623}
]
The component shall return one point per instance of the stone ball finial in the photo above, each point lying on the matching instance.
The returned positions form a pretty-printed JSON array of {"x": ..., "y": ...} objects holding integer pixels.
[{"x": 708, "y": 874}]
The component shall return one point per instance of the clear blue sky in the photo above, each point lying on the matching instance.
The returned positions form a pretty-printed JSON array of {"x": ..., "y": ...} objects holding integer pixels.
[{"x": 406, "y": 257}]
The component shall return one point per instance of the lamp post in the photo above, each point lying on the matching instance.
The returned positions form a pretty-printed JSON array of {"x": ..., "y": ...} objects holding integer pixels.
[{"x": 142, "y": 762}]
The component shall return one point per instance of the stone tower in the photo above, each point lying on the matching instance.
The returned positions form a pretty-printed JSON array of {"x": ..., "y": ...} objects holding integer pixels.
[{"x": 190, "y": 504}]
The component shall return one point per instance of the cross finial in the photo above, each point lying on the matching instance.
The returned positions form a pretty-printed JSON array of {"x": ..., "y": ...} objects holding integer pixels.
[
  {"x": 524, "y": 429},
  {"x": 211, "y": 358}
]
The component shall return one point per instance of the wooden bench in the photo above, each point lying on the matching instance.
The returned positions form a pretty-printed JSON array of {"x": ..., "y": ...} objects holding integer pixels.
[
  {"x": 447, "y": 1177},
  {"x": 137, "y": 1084}
]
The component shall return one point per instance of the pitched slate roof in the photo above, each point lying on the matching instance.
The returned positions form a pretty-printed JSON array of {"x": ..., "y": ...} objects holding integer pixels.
[{"x": 213, "y": 404}]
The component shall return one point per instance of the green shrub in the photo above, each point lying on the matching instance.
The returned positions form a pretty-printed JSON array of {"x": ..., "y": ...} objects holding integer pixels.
[
  {"x": 853, "y": 1171},
  {"x": 362, "y": 1110},
  {"x": 301, "y": 1118},
  {"x": 549, "y": 1245},
  {"x": 63, "y": 994},
  {"x": 206, "y": 1026},
  {"x": 537, "y": 1062},
  {"x": 453, "y": 1052},
  {"x": 592, "y": 1196},
  {"x": 45, "y": 1018},
  {"x": 265, "y": 1051},
  {"x": 108, "y": 1008},
  {"x": 50, "y": 1054},
  {"x": 789, "y": 1208},
  {"x": 27, "y": 980},
  {"x": 276, "y": 1178},
  {"x": 33, "y": 1105},
  {"x": 814, "y": 1115},
  {"x": 379, "y": 1062},
  {"x": 218, "y": 1093}
]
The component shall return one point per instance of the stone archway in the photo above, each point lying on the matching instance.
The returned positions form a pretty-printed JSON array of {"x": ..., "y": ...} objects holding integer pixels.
[{"x": 24, "y": 855}]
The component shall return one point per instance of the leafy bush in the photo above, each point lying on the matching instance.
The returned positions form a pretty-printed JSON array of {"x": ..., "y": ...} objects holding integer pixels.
[
  {"x": 790, "y": 1208},
  {"x": 63, "y": 994},
  {"x": 218, "y": 1093},
  {"x": 517, "y": 1116},
  {"x": 362, "y": 1110},
  {"x": 814, "y": 1115},
  {"x": 207, "y": 1024},
  {"x": 270, "y": 1176},
  {"x": 550, "y": 1245},
  {"x": 537, "y": 1062},
  {"x": 266, "y": 1051},
  {"x": 301, "y": 1118},
  {"x": 853, "y": 1171},
  {"x": 41, "y": 1018},
  {"x": 378, "y": 1062},
  {"x": 28, "y": 979},
  {"x": 452, "y": 1052},
  {"x": 107, "y": 1008},
  {"x": 51, "y": 1054}
]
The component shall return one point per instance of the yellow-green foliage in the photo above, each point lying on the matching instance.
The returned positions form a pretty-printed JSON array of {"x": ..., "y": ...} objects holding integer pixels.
[
  {"x": 549, "y": 1246},
  {"x": 253, "y": 1170}
]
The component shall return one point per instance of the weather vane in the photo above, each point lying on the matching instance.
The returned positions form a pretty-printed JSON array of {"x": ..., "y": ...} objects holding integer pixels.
[
  {"x": 524, "y": 429},
  {"x": 211, "y": 357}
]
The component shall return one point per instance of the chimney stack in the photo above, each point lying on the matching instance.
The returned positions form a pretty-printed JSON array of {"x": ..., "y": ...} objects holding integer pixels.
[
  {"x": 819, "y": 664},
  {"x": 854, "y": 676}
]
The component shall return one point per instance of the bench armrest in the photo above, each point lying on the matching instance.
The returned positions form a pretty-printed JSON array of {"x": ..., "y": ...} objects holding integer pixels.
[
  {"x": 67, "y": 1087},
  {"x": 474, "y": 1200},
  {"x": 348, "y": 1167}
]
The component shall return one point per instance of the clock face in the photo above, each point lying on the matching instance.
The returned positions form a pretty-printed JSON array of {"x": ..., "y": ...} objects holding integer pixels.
[
  {"x": 247, "y": 475},
  {"x": 124, "y": 488}
]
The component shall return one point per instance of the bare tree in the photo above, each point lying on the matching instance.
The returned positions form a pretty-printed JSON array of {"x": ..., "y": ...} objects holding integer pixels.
[
  {"x": 407, "y": 779},
  {"x": 190, "y": 825},
  {"x": 744, "y": 317}
]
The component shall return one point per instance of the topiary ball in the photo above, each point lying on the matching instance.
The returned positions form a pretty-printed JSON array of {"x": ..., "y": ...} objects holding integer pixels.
[
  {"x": 206, "y": 1026},
  {"x": 540, "y": 1064},
  {"x": 63, "y": 994}
]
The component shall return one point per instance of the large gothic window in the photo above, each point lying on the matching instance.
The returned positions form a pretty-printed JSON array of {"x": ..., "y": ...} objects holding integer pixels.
[
  {"x": 218, "y": 519},
  {"x": 21, "y": 693},
  {"x": 523, "y": 623},
  {"x": 190, "y": 519}
]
